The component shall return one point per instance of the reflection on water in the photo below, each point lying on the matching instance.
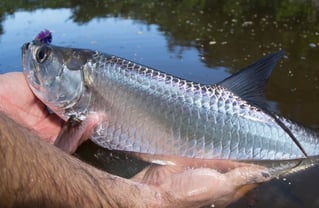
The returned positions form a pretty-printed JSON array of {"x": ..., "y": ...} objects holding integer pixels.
[{"x": 203, "y": 41}]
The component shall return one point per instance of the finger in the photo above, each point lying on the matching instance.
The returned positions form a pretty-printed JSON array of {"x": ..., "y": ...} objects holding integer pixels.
[
  {"x": 157, "y": 174},
  {"x": 140, "y": 175},
  {"x": 48, "y": 128},
  {"x": 248, "y": 175},
  {"x": 219, "y": 165}
]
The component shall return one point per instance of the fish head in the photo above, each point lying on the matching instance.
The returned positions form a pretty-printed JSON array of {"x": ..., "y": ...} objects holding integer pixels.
[{"x": 54, "y": 73}]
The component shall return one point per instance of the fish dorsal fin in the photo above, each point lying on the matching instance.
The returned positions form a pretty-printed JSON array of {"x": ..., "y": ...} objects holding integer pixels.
[{"x": 250, "y": 82}]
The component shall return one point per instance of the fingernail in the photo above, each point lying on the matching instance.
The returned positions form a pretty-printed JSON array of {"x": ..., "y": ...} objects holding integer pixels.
[{"x": 265, "y": 175}]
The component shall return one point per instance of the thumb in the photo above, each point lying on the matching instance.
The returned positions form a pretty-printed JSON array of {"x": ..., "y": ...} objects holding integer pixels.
[{"x": 248, "y": 175}]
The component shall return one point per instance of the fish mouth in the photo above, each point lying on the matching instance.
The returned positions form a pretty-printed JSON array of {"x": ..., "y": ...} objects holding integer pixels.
[
  {"x": 25, "y": 47},
  {"x": 28, "y": 66}
]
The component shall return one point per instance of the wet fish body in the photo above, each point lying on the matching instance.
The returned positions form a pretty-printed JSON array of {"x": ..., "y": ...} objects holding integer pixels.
[{"x": 151, "y": 112}]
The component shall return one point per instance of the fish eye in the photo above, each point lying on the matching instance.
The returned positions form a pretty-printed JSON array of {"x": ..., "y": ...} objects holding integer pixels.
[{"x": 42, "y": 54}]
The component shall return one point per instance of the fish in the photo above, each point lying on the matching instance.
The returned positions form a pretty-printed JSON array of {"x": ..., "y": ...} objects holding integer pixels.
[{"x": 153, "y": 113}]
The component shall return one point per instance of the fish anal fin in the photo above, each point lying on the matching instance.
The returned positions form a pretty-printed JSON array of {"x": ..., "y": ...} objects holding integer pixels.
[{"x": 249, "y": 83}]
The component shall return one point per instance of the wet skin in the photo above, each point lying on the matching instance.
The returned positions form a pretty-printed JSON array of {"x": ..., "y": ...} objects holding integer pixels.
[{"x": 45, "y": 176}]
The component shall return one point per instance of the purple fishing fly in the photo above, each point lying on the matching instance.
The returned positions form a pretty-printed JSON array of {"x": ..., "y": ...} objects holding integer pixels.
[{"x": 44, "y": 36}]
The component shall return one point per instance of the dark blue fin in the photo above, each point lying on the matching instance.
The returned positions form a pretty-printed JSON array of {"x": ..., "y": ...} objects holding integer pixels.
[{"x": 250, "y": 82}]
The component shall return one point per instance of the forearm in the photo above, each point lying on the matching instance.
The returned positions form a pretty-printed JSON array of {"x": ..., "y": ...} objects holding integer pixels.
[{"x": 36, "y": 174}]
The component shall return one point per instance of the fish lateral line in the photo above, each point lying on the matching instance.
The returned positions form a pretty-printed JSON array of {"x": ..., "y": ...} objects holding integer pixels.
[{"x": 288, "y": 131}]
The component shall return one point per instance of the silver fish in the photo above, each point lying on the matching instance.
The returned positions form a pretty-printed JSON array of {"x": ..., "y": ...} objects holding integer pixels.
[{"x": 155, "y": 113}]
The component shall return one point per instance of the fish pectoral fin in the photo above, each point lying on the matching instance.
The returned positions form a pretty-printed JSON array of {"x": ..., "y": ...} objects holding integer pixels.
[
  {"x": 74, "y": 132},
  {"x": 249, "y": 83},
  {"x": 70, "y": 134}
]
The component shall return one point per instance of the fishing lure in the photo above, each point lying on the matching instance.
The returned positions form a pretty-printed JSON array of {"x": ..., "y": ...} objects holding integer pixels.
[{"x": 44, "y": 36}]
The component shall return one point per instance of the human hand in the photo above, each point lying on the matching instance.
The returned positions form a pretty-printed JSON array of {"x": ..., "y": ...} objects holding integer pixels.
[
  {"x": 19, "y": 103},
  {"x": 185, "y": 187}
]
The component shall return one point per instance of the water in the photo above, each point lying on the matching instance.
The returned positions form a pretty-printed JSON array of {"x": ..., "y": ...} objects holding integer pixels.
[{"x": 203, "y": 41}]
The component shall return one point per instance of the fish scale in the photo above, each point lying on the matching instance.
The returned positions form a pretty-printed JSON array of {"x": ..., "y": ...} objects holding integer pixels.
[
  {"x": 152, "y": 112},
  {"x": 165, "y": 89}
]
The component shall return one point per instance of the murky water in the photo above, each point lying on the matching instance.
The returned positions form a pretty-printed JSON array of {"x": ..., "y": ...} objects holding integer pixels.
[{"x": 203, "y": 41}]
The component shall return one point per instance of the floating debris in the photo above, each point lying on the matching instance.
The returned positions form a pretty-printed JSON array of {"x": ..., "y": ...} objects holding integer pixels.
[
  {"x": 247, "y": 23},
  {"x": 212, "y": 42},
  {"x": 312, "y": 45}
]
